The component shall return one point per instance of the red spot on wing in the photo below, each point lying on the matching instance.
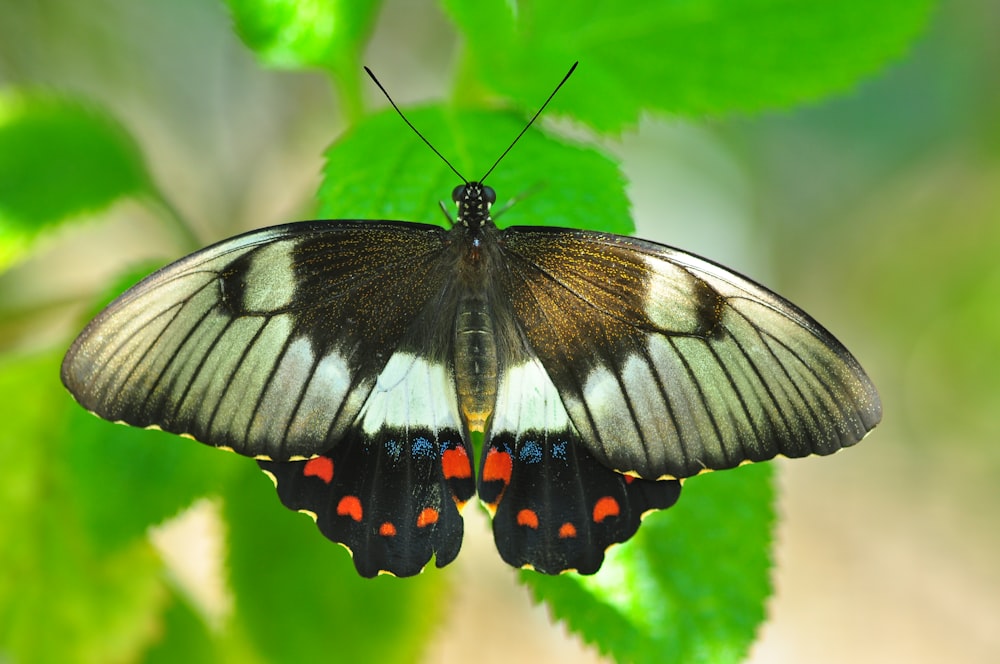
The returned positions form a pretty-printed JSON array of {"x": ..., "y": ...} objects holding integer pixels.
[
  {"x": 606, "y": 507},
  {"x": 498, "y": 466},
  {"x": 321, "y": 467},
  {"x": 455, "y": 463},
  {"x": 629, "y": 478},
  {"x": 427, "y": 516},
  {"x": 387, "y": 529},
  {"x": 567, "y": 531},
  {"x": 527, "y": 518},
  {"x": 350, "y": 506}
]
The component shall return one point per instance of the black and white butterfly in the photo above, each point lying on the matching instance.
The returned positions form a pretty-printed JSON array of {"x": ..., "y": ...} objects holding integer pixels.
[{"x": 355, "y": 359}]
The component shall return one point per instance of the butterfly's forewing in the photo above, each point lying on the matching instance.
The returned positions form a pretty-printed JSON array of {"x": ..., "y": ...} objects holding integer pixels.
[
  {"x": 669, "y": 365},
  {"x": 268, "y": 343}
]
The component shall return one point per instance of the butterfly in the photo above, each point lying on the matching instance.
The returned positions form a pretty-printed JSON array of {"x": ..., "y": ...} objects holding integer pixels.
[{"x": 356, "y": 360}]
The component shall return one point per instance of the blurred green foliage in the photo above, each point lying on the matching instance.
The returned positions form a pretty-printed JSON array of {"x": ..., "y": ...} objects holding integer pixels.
[
  {"x": 80, "y": 494},
  {"x": 59, "y": 159}
]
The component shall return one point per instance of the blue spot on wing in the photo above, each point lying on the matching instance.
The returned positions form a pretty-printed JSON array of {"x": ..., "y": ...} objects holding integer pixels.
[
  {"x": 422, "y": 447},
  {"x": 393, "y": 447},
  {"x": 530, "y": 452},
  {"x": 559, "y": 449}
]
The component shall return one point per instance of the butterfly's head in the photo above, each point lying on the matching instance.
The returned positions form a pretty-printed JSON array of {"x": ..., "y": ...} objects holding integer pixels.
[{"x": 474, "y": 200}]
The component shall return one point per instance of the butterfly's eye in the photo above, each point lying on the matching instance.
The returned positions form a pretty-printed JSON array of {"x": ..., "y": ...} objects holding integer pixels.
[
  {"x": 489, "y": 195},
  {"x": 458, "y": 193}
]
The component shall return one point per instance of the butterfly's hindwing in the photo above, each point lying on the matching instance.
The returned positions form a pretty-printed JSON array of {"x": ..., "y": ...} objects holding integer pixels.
[
  {"x": 669, "y": 365},
  {"x": 268, "y": 343},
  {"x": 555, "y": 507},
  {"x": 391, "y": 489},
  {"x": 392, "y": 498}
]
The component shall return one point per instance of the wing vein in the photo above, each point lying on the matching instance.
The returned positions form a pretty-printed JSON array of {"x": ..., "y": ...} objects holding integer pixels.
[
  {"x": 671, "y": 411},
  {"x": 760, "y": 377},
  {"x": 192, "y": 329},
  {"x": 258, "y": 402},
  {"x": 236, "y": 369},
  {"x": 701, "y": 395},
  {"x": 739, "y": 395},
  {"x": 200, "y": 365}
]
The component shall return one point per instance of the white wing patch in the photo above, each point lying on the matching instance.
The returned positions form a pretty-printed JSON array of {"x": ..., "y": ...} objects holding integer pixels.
[
  {"x": 305, "y": 397},
  {"x": 214, "y": 377},
  {"x": 682, "y": 402},
  {"x": 607, "y": 404},
  {"x": 411, "y": 392},
  {"x": 270, "y": 278},
  {"x": 328, "y": 387},
  {"x": 673, "y": 297},
  {"x": 527, "y": 400},
  {"x": 250, "y": 378},
  {"x": 288, "y": 382}
]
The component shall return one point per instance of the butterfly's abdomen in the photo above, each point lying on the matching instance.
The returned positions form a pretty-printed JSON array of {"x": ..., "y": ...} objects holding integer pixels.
[{"x": 475, "y": 360}]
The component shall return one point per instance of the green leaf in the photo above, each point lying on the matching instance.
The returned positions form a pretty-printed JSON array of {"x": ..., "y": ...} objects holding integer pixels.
[
  {"x": 304, "y": 33},
  {"x": 689, "y": 587},
  {"x": 59, "y": 158},
  {"x": 693, "y": 57},
  {"x": 381, "y": 170},
  {"x": 100, "y": 606},
  {"x": 185, "y": 637},
  {"x": 162, "y": 473},
  {"x": 298, "y": 594},
  {"x": 326, "y": 34}
]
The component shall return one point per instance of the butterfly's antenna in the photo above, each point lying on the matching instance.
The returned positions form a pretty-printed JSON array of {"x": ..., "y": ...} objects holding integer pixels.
[
  {"x": 531, "y": 121},
  {"x": 415, "y": 130}
]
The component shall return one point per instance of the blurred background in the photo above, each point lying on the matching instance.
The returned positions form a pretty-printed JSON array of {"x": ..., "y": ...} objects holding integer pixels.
[{"x": 877, "y": 211}]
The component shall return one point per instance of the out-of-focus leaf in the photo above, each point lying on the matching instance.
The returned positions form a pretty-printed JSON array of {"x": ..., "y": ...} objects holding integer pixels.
[
  {"x": 60, "y": 599},
  {"x": 694, "y": 57},
  {"x": 59, "y": 158},
  {"x": 185, "y": 637},
  {"x": 155, "y": 474},
  {"x": 304, "y": 33},
  {"x": 924, "y": 284}
]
